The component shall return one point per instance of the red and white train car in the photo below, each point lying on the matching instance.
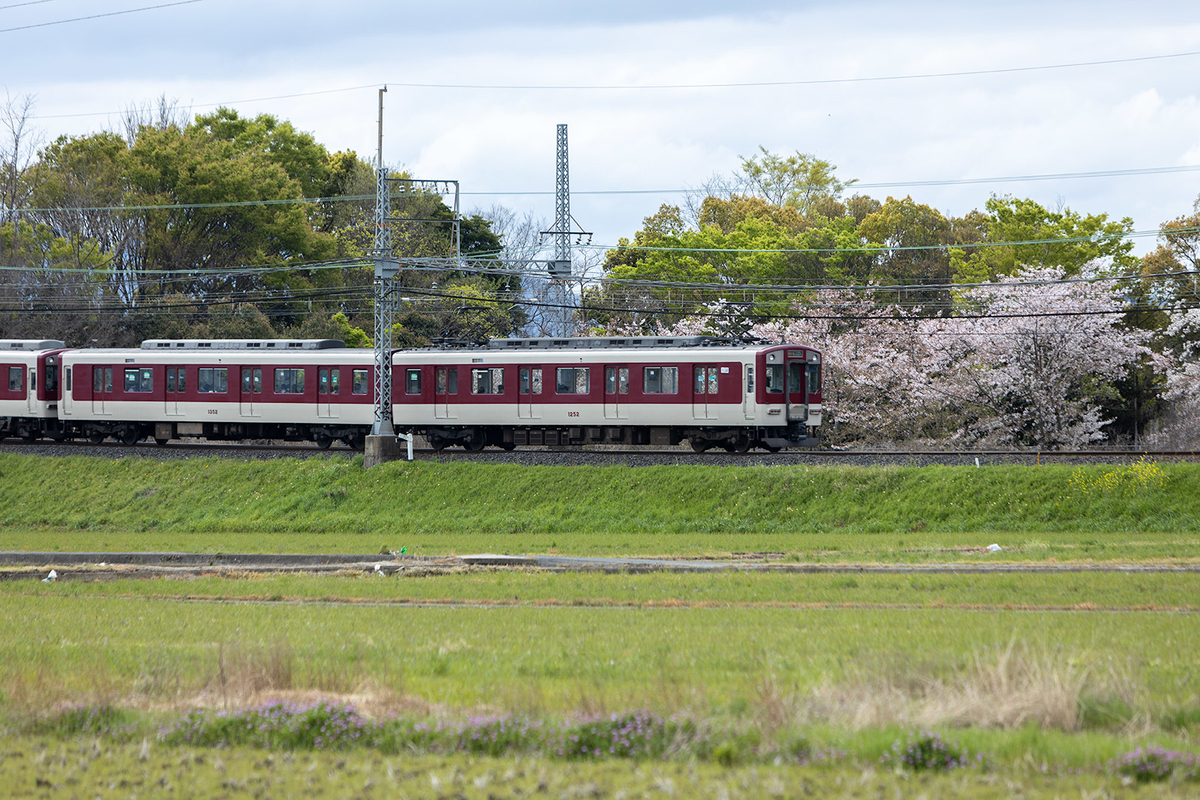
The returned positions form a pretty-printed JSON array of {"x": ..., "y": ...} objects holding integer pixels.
[
  {"x": 640, "y": 390},
  {"x": 296, "y": 390},
  {"x": 29, "y": 390}
]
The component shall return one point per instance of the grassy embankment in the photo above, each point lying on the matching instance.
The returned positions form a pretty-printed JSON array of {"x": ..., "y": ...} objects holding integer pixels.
[
  {"x": 748, "y": 652},
  {"x": 810, "y": 513}
]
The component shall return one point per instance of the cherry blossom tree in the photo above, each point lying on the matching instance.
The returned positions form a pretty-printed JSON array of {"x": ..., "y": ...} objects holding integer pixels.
[{"x": 1021, "y": 364}]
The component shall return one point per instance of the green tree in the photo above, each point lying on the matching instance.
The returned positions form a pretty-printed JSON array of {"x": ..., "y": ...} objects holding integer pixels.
[
  {"x": 800, "y": 180},
  {"x": 1022, "y": 233}
]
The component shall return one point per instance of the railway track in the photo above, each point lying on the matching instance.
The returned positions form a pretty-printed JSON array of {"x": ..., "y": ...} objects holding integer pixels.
[{"x": 619, "y": 455}]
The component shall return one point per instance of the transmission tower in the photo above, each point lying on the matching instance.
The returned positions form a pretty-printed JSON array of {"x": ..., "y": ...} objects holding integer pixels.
[{"x": 561, "y": 297}]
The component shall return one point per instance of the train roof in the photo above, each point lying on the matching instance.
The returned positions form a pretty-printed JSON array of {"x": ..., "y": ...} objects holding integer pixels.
[
  {"x": 594, "y": 343},
  {"x": 243, "y": 344},
  {"x": 31, "y": 344}
]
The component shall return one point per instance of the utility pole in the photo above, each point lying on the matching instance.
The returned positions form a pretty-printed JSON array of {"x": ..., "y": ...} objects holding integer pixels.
[{"x": 381, "y": 444}]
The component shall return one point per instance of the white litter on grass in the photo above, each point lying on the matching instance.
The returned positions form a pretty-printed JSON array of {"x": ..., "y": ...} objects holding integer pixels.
[
  {"x": 378, "y": 570},
  {"x": 51, "y": 578},
  {"x": 976, "y": 462},
  {"x": 994, "y": 548}
]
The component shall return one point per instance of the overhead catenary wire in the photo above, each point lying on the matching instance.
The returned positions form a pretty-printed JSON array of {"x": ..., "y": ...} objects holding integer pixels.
[{"x": 98, "y": 16}]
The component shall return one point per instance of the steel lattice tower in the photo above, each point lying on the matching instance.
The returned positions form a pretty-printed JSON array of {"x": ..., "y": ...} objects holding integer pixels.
[
  {"x": 560, "y": 269},
  {"x": 386, "y": 268}
]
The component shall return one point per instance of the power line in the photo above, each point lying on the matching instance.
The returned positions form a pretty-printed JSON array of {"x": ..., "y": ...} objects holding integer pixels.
[
  {"x": 98, "y": 16},
  {"x": 634, "y": 87},
  {"x": 359, "y": 198},
  {"x": 28, "y": 3},
  {"x": 226, "y": 103},
  {"x": 815, "y": 82}
]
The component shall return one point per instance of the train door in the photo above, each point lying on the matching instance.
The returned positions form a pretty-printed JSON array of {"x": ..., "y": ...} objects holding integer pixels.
[
  {"x": 797, "y": 393},
  {"x": 176, "y": 385},
  {"x": 616, "y": 391},
  {"x": 704, "y": 392},
  {"x": 445, "y": 392},
  {"x": 102, "y": 386},
  {"x": 329, "y": 385},
  {"x": 529, "y": 392},
  {"x": 250, "y": 391},
  {"x": 748, "y": 404}
]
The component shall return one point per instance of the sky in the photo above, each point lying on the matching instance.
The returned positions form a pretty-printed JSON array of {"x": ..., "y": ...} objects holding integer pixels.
[{"x": 660, "y": 96}]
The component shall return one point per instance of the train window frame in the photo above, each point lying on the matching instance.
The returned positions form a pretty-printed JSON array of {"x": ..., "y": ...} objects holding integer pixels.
[
  {"x": 749, "y": 379},
  {"x": 289, "y": 380},
  {"x": 572, "y": 380},
  {"x": 138, "y": 380},
  {"x": 335, "y": 380},
  {"x": 412, "y": 381},
  {"x": 212, "y": 380},
  {"x": 360, "y": 382},
  {"x": 814, "y": 379},
  {"x": 665, "y": 380},
  {"x": 19, "y": 374},
  {"x": 50, "y": 377},
  {"x": 773, "y": 379},
  {"x": 487, "y": 380}
]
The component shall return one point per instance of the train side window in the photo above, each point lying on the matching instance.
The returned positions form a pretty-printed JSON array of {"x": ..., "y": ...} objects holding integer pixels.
[
  {"x": 701, "y": 386},
  {"x": 182, "y": 385},
  {"x": 170, "y": 379},
  {"x": 108, "y": 378},
  {"x": 572, "y": 380},
  {"x": 412, "y": 381},
  {"x": 257, "y": 381},
  {"x": 335, "y": 380},
  {"x": 358, "y": 382},
  {"x": 289, "y": 381},
  {"x": 212, "y": 380},
  {"x": 774, "y": 378},
  {"x": 660, "y": 380},
  {"x": 323, "y": 380},
  {"x": 67, "y": 375},
  {"x": 814, "y": 378},
  {"x": 51, "y": 376},
  {"x": 16, "y": 379},
  {"x": 537, "y": 380},
  {"x": 139, "y": 379},
  {"x": 488, "y": 380},
  {"x": 749, "y": 380},
  {"x": 247, "y": 380}
]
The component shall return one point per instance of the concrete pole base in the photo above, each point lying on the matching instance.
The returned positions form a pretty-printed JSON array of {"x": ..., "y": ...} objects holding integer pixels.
[{"x": 381, "y": 449}]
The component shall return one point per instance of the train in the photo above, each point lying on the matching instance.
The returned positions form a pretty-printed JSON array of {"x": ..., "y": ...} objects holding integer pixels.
[{"x": 505, "y": 393}]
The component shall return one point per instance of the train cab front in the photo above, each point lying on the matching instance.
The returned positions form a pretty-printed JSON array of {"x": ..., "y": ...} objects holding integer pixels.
[{"x": 791, "y": 396}]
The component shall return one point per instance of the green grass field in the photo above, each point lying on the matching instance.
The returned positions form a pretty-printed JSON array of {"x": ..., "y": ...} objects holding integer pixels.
[{"x": 1051, "y": 675}]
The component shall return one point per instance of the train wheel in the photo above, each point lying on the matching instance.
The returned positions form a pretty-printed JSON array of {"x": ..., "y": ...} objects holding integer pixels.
[
  {"x": 356, "y": 442},
  {"x": 743, "y": 445},
  {"x": 700, "y": 445},
  {"x": 437, "y": 443},
  {"x": 28, "y": 434},
  {"x": 95, "y": 437},
  {"x": 323, "y": 440},
  {"x": 475, "y": 443},
  {"x": 130, "y": 436}
]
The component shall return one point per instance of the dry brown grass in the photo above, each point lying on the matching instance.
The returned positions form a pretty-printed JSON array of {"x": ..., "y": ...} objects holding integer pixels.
[{"x": 1005, "y": 690}]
